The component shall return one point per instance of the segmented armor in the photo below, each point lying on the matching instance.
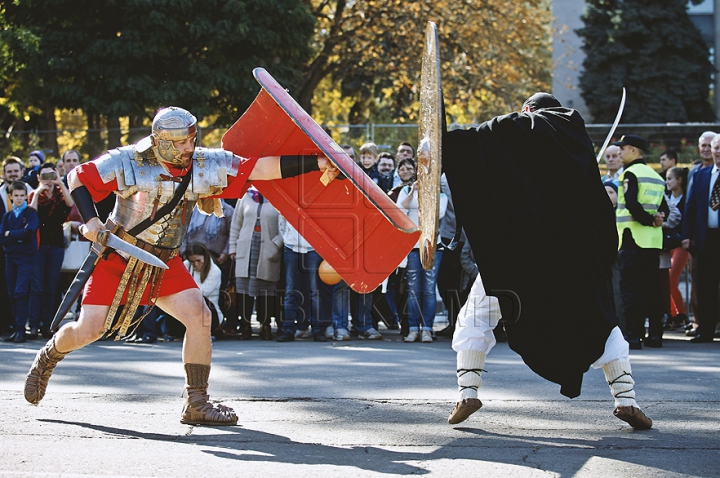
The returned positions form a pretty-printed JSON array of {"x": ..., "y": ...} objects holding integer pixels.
[{"x": 144, "y": 185}]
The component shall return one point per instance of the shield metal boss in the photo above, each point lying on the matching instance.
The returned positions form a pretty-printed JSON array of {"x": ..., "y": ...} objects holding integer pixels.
[{"x": 429, "y": 164}]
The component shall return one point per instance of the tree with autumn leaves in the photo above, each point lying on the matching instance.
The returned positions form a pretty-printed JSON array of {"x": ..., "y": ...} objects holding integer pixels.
[
  {"x": 493, "y": 54},
  {"x": 125, "y": 58}
]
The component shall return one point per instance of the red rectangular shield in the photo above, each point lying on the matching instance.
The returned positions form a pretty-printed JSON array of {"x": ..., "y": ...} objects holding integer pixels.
[{"x": 350, "y": 222}]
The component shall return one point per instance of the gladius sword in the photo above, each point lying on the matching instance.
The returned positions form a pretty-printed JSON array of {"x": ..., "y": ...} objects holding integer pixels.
[
  {"x": 107, "y": 240},
  {"x": 614, "y": 126}
]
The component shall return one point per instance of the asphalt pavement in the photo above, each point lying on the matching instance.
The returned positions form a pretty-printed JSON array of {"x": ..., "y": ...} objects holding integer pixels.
[{"x": 358, "y": 408}]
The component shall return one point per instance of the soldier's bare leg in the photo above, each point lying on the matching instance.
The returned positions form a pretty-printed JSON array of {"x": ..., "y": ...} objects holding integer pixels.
[
  {"x": 189, "y": 308},
  {"x": 73, "y": 336},
  {"x": 88, "y": 329}
]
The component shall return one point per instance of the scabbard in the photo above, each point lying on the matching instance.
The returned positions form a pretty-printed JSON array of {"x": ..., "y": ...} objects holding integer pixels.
[{"x": 75, "y": 288}]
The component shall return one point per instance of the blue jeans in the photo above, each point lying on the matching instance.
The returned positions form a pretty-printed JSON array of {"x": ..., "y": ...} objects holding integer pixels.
[
  {"x": 341, "y": 308},
  {"x": 421, "y": 284},
  {"x": 43, "y": 305},
  {"x": 151, "y": 323},
  {"x": 307, "y": 300},
  {"x": 19, "y": 273}
]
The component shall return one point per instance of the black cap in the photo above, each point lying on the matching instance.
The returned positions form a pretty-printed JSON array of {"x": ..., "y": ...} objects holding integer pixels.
[
  {"x": 612, "y": 184},
  {"x": 632, "y": 140},
  {"x": 542, "y": 100}
]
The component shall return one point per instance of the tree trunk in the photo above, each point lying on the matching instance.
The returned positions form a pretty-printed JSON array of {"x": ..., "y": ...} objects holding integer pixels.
[
  {"x": 48, "y": 137},
  {"x": 313, "y": 78},
  {"x": 22, "y": 133},
  {"x": 113, "y": 129},
  {"x": 137, "y": 130},
  {"x": 94, "y": 146},
  {"x": 319, "y": 69}
]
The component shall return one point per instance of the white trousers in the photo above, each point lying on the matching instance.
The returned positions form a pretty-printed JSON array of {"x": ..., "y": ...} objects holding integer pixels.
[{"x": 481, "y": 313}]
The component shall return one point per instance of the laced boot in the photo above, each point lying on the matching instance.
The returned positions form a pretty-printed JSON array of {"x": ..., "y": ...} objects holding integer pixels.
[
  {"x": 197, "y": 409},
  {"x": 37, "y": 378},
  {"x": 469, "y": 368},
  {"x": 619, "y": 376}
]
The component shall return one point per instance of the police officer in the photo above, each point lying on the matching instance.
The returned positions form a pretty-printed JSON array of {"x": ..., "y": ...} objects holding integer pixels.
[{"x": 640, "y": 214}]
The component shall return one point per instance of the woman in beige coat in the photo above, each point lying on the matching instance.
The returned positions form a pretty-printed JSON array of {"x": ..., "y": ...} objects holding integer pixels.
[{"x": 256, "y": 246}]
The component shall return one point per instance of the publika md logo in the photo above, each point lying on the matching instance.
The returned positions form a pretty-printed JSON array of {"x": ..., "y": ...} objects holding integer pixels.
[
  {"x": 515, "y": 306},
  {"x": 484, "y": 310}
]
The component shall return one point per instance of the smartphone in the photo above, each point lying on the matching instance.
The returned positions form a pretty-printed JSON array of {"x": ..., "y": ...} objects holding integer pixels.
[{"x": 50, "y": 175}]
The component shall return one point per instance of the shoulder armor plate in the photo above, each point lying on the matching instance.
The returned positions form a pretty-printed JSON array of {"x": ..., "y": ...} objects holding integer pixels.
[
  {"x": 211, "y": 169},
  {"x": 111, "y": 165}
]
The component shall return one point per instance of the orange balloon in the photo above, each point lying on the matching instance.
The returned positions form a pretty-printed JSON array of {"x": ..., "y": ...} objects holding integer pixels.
[{"x": 327, "y": 274}]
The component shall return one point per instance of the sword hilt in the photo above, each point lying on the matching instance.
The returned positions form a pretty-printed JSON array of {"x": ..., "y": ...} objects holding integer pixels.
[{"x": 102, "y": 237}]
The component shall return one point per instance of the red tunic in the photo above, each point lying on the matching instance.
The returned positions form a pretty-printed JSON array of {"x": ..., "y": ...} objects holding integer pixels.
[{"x": 104, "y": 281}]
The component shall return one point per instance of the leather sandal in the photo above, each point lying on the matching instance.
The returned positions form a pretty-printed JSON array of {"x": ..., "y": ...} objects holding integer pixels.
[
  {"x": 634, "y": 416},
  {"x": 38, "y": 377},
  {"x": 463, "y": 410},
  {"x": 198, "y": 411}
]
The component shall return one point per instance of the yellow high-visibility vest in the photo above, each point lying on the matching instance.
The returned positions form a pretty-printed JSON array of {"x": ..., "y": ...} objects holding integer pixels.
[{"x": 651, "y": 188}]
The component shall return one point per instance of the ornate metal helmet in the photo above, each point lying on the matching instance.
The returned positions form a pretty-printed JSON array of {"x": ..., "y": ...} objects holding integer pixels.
[{"x": 170, "y": 124}]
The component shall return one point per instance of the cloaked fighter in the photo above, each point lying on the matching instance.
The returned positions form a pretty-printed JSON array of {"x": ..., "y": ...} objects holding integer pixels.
[{"x": 544, "y": 251}]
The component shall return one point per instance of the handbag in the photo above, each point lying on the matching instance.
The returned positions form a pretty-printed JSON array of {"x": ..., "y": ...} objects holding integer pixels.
[
  {"x": 228, "y": 295},
  {"x": 75, "y": 254},
  {"x": 67, "y": 234}
]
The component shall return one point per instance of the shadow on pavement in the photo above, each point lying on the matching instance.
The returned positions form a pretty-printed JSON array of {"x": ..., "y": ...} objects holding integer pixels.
[{"x": 243, "y": 440}]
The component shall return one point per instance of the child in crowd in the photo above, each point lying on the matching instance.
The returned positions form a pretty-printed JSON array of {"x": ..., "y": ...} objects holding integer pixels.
[
  {"x": 19, "y": 240},
  {"x": 35, "y": 159},
  {"x": 368, "y": 161},
  {"x": 30, "y": 175},
  {"x": 676, "y": 183}
]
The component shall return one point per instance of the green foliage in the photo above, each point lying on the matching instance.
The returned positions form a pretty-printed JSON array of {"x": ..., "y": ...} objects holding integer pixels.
[
  {"x": 129, "y": 57},
  {"x": 653, "y": 49}
]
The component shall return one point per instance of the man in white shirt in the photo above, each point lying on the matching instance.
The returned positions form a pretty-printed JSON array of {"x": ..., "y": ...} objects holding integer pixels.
[{"x": 613, "y": 160}]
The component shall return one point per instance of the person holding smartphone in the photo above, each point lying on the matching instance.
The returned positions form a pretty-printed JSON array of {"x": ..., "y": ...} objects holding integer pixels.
[{"x": 53, "y": 202}]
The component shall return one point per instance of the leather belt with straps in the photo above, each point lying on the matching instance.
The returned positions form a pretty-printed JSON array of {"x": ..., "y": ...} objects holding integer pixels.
[{"x": 161, "y": 253}]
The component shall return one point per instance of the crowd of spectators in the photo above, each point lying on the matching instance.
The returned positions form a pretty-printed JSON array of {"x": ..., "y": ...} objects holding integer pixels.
[
  {"x": 665, "y": 224},
  {"x": 253, "y": 267}
]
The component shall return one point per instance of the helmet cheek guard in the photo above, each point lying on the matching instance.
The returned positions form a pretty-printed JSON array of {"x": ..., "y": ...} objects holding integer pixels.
[
  {"x": 166, "y": 151},
  {"x": 172, "y": 124}
]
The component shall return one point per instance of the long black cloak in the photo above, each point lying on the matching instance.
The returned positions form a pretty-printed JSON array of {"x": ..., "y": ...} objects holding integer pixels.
[{"x": 527, "y": 190}]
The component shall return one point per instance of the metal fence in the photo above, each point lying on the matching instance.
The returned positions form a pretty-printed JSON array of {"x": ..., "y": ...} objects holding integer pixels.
[{"x": 681, "y": 137}]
